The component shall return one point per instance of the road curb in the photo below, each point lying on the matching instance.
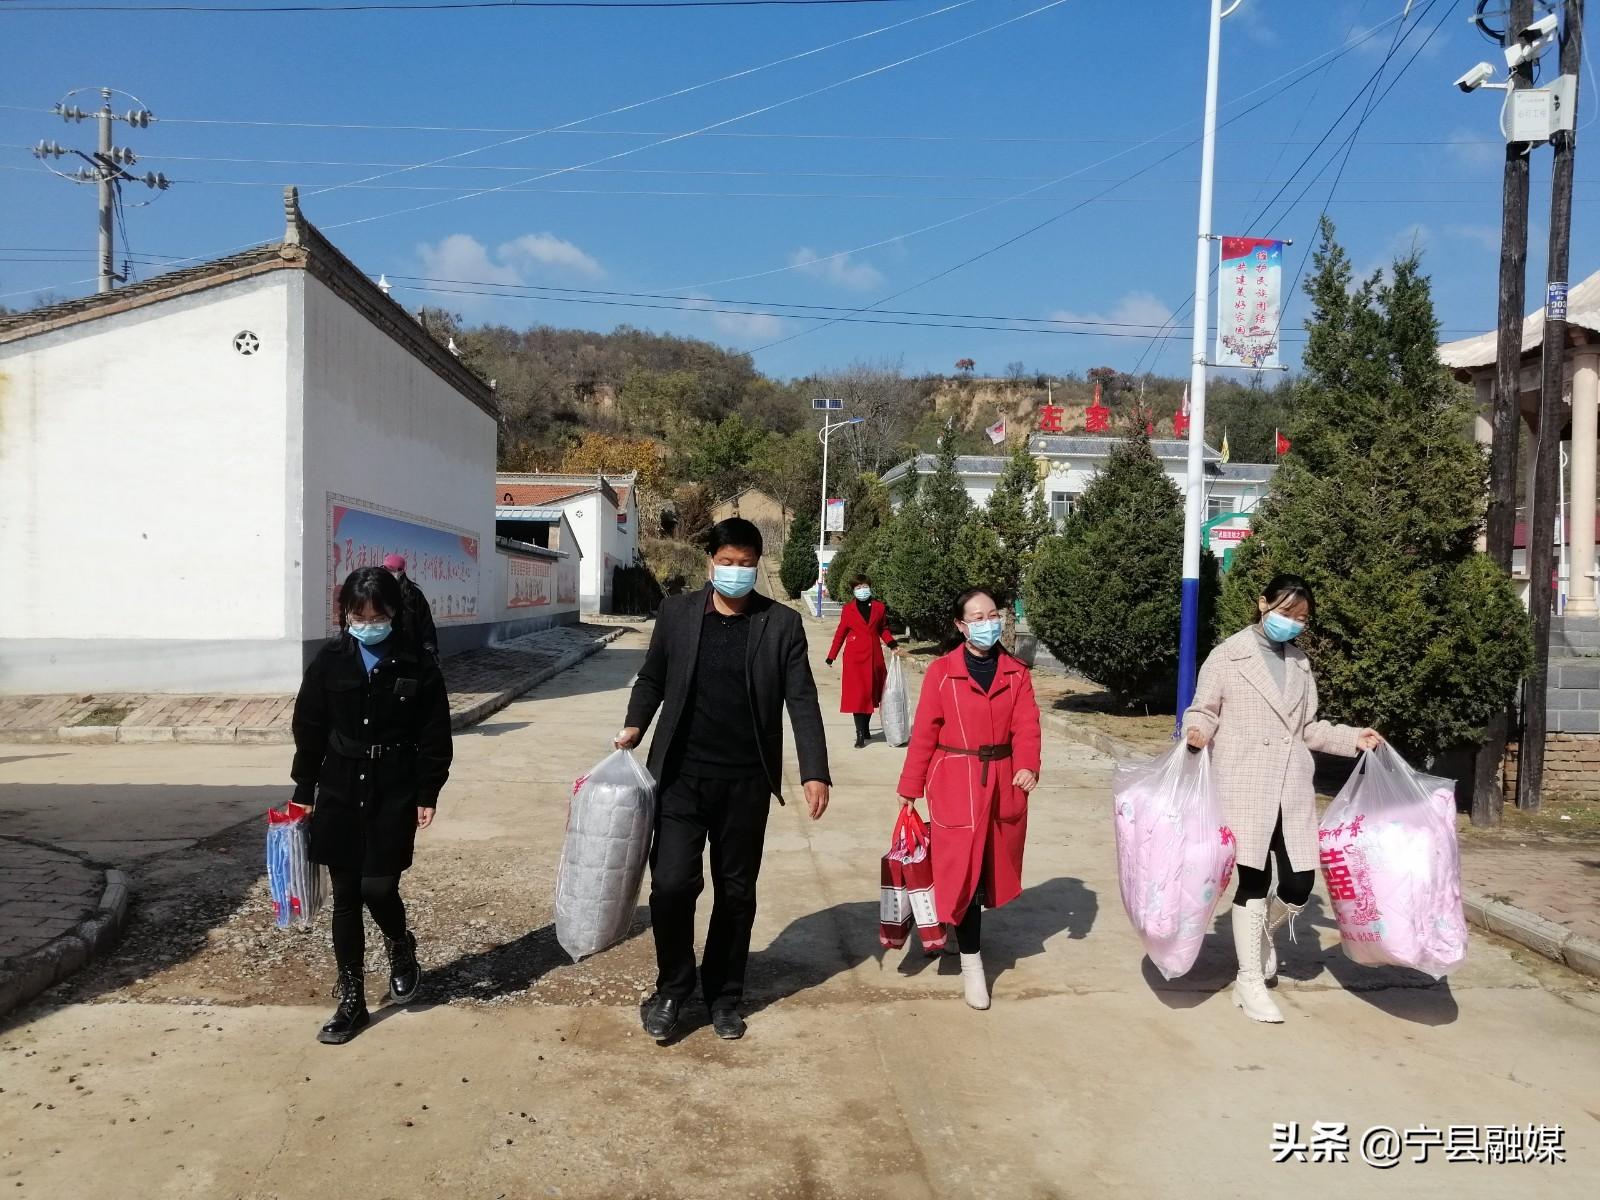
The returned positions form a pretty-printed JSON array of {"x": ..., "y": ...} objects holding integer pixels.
[
  {"x": 1536, "y": 933},
  {"x": 212, "y": 735},
  {"x": 26, "y": 976},
  {"x": 484, "y": 708}
]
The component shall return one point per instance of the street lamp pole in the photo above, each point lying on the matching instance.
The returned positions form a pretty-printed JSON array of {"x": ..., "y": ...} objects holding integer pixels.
[
  {"x": 1194, "y": 493},
  {"x": 822, "y": 521}
]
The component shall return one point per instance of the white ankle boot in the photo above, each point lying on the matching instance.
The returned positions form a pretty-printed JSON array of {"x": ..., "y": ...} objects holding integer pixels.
[
  {"x": 973, "y": 982},
  {"x": 1277, "y": 913},
  {"x": 1250, "y": 988}
]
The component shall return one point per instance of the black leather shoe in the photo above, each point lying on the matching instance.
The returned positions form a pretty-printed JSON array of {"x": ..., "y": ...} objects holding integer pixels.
[
  {"x": 860, "y": 742},
  {"x": 727, "y": 1024},
  {"x": 351, "y": 1017},
  {"x": 659, "y": 1015},
  {"x": 405, "y": 972}
]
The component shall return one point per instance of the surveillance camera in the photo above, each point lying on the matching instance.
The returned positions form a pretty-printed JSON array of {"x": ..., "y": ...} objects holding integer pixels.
[
  {"x": 1544, "y": 28},
  {"x": 1476, "y": 77}
]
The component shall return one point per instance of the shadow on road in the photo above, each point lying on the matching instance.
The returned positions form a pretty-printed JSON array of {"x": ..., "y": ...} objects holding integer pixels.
[
  {"x": 1397, "y": 991},
  {"x": 832, "y": 941},
  {"x": 509, "y": 968}
]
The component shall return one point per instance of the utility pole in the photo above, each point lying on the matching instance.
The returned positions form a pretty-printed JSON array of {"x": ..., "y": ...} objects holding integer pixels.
[
  {"x": 1488, "y": 800},
  {"x": 107, "y": 169},
  {"x": 1547, "y": 462},
  {"x": 1194, "y": 492}
]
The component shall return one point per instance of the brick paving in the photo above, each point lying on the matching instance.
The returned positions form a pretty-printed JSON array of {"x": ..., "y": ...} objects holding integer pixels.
[
  {"x": 1559, "y": 881},
  {"x": 476, "y": 679},
  {"x": 44, "y": 893}
]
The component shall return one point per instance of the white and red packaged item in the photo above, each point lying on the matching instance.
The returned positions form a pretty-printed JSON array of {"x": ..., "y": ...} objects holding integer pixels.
[
  {"x": 1389, "y": 857},
  {"x": 1175, "y": 855}
]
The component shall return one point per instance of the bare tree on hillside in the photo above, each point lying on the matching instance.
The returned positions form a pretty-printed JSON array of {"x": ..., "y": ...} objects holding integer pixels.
[{"x": 890, "y": 404}]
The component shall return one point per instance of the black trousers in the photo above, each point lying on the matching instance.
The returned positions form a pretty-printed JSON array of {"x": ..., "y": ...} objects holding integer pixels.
[
  {"x": 380, "y": 894},
  {"x": 1294, "y": 887},
  {"x": 730, "y": 814}
]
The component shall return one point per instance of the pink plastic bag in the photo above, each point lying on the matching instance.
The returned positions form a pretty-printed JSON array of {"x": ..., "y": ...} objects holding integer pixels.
[
  {"x": 1389, "y": 857},
  {"x": 1174, "y": 854}
]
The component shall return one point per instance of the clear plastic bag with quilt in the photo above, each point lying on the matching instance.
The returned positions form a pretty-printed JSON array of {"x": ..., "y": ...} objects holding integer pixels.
[
  {"x": 1387, "y": 846},
  {"x": 609, "y": 823},
  {"x": 1175, "y": 855},
  {"x": 896, "y": 707},
  {"x": 299, "y": 886}
]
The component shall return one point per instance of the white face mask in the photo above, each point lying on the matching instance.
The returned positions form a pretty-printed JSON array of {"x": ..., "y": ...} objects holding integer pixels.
[{"x": 863, "y": 593}]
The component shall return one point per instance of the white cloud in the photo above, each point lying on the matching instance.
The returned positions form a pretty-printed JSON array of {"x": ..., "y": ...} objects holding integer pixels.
[
  {"x": 841, "y": 270},
  {"x": 527, "y": 259},
  {"x": 741, "y": 325},
  {"x": 547, "y": 250},
  {"x": 1134, "y": 309},
  {"x": 463, "y": 258}
]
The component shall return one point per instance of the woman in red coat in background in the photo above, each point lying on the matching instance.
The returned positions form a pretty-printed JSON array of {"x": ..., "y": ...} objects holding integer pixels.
[
  {"x": 975, "y": 754},
  {"x": 862, "y": 625}
]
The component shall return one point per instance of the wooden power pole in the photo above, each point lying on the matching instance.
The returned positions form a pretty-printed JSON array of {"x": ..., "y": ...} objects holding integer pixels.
[
  {"x": 1547, "y": 461},
  {"x": 1487, "y": 797}
]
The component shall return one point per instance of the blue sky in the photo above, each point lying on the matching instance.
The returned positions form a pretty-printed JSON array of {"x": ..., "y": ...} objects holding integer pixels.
[{"x": 720, "y": 221}]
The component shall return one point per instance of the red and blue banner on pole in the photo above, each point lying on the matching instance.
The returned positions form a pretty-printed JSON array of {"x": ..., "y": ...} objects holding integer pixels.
[{"x": 1250, "y": 289}]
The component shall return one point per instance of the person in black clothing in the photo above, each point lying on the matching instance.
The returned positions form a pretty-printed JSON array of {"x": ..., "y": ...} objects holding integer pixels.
[
  {"x": 372, "y": 750},
  {"x": 722, "y": 665},
  {"x": 417, "y": 611}
]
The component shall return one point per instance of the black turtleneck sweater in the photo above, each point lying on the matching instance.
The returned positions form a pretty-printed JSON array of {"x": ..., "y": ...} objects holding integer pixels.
[{"x": 982, "y": 670}]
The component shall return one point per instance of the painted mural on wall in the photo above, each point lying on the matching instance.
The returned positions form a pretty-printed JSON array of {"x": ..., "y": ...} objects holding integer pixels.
[
  {"x": 567, "y": 580},
  {"x": 443, "y": 561},
  {"x": 530, "y": 582}
]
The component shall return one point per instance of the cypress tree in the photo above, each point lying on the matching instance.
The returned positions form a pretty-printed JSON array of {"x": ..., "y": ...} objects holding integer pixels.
[
  {"x": 1104, "y": 594},
  {"x": 798, "y": 568},
  {"x": 1379, "y": 505}
]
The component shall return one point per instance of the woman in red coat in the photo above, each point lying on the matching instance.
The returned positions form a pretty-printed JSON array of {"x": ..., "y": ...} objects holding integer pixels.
[
  {"x": 862, "y": 625},
  {"x": 975, "y": 754}
]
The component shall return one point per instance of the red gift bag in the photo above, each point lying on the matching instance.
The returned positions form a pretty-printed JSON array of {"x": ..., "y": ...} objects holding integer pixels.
[{"x": 907, "y": 887}]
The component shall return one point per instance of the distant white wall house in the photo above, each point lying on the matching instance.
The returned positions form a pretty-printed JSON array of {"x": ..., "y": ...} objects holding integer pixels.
[
  {"x": 221, "y": 446},
  {"x": 602, "y": 512},
  {"x": 1068, "y": 464}
]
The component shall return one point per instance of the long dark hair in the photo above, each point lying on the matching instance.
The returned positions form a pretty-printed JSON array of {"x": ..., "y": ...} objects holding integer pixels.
[
  {"x": 1285, "y": 589},
  {"x": 953, "y": 637},
  {"x": 374, "y": 585}
]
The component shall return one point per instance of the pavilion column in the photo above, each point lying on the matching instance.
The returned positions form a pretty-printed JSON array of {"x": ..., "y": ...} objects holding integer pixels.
[{"x": 1581, "y": 507}]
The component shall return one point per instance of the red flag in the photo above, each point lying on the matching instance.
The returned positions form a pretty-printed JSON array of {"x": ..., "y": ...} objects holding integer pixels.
[
  {"x": 1180, "y": 425},
  {"x": 1283, "y": 442}
]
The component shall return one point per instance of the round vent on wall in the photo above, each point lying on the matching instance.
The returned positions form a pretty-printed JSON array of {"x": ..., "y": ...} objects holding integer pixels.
[{"x": 246, "y": 343}]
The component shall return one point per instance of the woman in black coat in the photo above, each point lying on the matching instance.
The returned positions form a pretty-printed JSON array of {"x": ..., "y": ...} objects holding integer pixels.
[{"x": 371, "y": 752}]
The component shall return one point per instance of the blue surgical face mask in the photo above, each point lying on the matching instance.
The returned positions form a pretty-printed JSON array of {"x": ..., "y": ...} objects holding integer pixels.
[
  {"x": 1281, "y": 628},
  {"x": 371, "y": 633},
  {"x": 984, "y": 634},
  {"x": 733, "y": 582},
  {"x": 863, "y": 593}
]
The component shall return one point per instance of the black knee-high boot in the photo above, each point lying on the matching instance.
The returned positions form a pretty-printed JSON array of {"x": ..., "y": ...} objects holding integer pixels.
[{"x": 863, "y": 729}]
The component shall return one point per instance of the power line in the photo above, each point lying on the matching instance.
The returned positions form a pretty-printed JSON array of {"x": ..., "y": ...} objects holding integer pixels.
[
  {"x": 428, "y": 6},
  {"x": 1031, "y": 230},
  {"x": 746, "y": 173},
  {"x": 1308, "y": 67},
  {"x": 742, "y": 73},
  {"x": 766, "y": 108}
]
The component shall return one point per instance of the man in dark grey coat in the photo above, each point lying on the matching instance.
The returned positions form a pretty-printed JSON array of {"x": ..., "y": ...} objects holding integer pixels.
[{"x": 722, "y": 666}]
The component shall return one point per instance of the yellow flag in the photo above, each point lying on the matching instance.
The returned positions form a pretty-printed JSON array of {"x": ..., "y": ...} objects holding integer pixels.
[{"x": 1224, "y": 445}]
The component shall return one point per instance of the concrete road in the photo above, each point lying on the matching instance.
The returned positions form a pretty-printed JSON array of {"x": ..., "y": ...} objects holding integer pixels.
[{"x": 863, "y": 1075}]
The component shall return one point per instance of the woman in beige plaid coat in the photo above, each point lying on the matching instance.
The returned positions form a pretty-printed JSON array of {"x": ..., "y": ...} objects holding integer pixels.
[{"x": 1255, "y": 705}]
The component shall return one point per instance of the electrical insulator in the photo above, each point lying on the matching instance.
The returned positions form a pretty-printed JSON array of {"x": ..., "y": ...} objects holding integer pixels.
[
  {"x": 156, "y": 180},
  {"x": 123, "y": 156},
  {"x": 139, "y": 118},
  {"x": 48, "y": 150}
]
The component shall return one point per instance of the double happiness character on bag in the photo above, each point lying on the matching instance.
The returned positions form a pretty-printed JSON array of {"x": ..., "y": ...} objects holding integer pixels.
[
  {"x": 907, "y": 887},
  {"x": 1389, "y": 856},
  {"x": 1174, "y": 854}
]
